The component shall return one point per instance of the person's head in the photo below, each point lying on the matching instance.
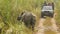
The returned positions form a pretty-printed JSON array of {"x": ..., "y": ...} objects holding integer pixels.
[{"x": 45, "y": 2}]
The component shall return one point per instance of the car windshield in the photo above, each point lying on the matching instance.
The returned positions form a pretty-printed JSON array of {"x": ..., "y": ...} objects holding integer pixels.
[{"x": 47, "y": 8}]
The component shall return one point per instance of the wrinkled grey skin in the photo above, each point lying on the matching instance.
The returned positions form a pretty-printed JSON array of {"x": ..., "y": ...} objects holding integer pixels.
[{"x": 28, "y": 18}]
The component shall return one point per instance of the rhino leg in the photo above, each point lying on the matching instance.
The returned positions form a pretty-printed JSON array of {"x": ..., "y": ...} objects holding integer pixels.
[{"x": 33, "y": 20}]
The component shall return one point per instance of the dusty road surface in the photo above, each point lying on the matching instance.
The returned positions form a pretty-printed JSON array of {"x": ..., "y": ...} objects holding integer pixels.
[
  {"x": 40, "y": 26},
  {"x": 54, "y": 26}
]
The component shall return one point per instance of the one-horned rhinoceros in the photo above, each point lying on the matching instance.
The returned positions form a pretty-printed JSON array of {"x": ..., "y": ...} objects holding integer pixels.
[{"x": 28, "y": 18}]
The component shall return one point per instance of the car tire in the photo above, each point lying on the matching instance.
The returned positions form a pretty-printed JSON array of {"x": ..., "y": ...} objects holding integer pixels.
[
  {"x": 52, "y": 16},
  {"x": 42, "y": 16}
]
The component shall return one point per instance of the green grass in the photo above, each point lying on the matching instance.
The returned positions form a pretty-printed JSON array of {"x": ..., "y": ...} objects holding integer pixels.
[{"x": 10, "y": 9}]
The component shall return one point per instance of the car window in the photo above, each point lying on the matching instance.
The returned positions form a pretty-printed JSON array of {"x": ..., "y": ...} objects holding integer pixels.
[{"x": 47, "y": 8}]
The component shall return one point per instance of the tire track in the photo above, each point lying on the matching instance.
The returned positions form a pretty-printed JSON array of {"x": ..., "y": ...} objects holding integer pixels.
[
  {"x": 40, "y": 26},
  {"x": 54, "y": 26}
]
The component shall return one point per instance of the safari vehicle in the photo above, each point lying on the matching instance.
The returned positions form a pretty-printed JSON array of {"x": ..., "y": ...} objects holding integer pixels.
[{"x": 47, "y": 10}]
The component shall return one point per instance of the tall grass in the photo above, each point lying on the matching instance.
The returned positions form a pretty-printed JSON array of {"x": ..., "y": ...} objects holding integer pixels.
[{"x": 10, "y": 9}]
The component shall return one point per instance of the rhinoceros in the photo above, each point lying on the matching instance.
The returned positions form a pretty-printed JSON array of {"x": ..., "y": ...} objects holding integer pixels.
[{"x": 28, "y": 18}]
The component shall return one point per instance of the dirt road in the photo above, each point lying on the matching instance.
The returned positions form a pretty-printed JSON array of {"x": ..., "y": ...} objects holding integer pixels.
[
  {"x": 54, "y": 26},
  {"x": 41, "y": 28}
]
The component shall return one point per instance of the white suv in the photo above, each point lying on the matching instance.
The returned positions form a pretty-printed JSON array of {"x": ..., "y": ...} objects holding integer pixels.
[{"x": 47, "y": 11}]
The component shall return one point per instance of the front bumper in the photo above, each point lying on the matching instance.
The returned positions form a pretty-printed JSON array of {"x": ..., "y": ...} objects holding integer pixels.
[{"x": 47, "y": 13}]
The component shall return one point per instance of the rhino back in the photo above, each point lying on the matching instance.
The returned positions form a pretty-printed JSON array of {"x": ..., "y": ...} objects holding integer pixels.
[{"x": 27, "y": 17}]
